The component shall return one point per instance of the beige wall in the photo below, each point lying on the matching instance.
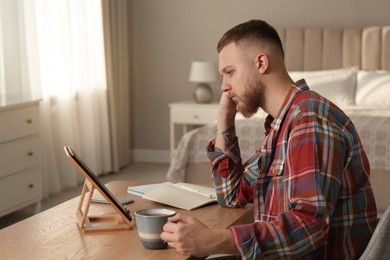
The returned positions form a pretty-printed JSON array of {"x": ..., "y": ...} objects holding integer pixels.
[{"x": 169, "y": 34}]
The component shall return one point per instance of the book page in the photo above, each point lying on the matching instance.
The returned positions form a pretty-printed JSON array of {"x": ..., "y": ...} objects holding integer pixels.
[
  {"x": 210, "y": 191},
  {"x": 171, "y": 195}
]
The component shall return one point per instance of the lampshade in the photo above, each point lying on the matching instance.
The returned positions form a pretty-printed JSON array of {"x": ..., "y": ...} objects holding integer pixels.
[{"x": 202, "y": 71}]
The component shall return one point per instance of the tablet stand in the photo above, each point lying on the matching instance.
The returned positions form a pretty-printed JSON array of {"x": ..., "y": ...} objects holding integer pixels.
[{"x": 97, "y": 223}]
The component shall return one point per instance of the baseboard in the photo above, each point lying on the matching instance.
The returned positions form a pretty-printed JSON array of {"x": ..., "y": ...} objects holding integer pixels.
[{"x": 155, "y": 156}]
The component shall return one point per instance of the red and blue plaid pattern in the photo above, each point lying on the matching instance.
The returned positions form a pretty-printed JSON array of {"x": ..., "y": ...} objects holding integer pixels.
[{"x": 309, "y": 183}]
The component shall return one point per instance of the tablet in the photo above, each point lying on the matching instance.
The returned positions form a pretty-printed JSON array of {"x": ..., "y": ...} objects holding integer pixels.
[{"x": 97, "y": 183}]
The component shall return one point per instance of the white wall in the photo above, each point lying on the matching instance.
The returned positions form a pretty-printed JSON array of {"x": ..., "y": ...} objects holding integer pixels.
[{"x": 169, "y": 34}]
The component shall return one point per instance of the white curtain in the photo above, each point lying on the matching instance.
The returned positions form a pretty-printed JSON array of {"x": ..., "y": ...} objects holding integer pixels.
[{"x": 63, "y": 45}]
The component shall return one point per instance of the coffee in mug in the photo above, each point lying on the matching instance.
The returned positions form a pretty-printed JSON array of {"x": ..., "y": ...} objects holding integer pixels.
[{"x": 150, "y": 224}]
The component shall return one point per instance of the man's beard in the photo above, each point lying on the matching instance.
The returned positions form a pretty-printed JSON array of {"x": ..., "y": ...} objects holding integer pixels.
[{"x": 252, "y": 99}]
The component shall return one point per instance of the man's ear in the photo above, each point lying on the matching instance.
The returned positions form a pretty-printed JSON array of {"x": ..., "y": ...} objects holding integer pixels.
[{"x": 262, "y": 62}]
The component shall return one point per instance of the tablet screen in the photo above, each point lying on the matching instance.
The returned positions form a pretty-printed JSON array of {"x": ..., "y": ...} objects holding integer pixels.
[{"x": 93, "y": 178}]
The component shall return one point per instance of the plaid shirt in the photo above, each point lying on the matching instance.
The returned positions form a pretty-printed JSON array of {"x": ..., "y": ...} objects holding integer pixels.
[{"x": 309, "y": 183}]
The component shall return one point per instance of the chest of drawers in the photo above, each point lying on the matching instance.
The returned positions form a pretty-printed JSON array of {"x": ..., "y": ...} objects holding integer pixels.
[{"x": 20, "y": 170}]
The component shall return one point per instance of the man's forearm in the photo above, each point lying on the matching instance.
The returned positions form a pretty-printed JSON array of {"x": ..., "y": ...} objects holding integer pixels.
[
  {"x": 226, "y": 132},
  {"x": 225, "y": 139}
]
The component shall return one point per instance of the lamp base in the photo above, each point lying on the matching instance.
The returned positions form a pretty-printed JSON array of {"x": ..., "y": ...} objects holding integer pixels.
[{"x": 203, "y": 93}]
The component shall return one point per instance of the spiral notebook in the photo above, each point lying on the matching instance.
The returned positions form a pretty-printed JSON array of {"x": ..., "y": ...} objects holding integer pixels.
[
  {"x": 180, "y": 195},
  {"x": 143, "y": 189}
]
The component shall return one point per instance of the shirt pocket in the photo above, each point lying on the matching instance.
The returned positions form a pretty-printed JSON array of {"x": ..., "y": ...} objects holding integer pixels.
[
  {"x": 277, "y": 168},
  {"x": 274, "y": 189}
]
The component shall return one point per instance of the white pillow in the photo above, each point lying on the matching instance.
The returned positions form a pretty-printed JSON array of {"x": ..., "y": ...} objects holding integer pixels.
[
  {"x": 373, "y": 89},
  {"x": 337, "y": 85}
]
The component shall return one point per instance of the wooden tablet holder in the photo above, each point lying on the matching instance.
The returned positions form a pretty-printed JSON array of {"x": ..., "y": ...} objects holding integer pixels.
[{"x": 98, "y": 223}]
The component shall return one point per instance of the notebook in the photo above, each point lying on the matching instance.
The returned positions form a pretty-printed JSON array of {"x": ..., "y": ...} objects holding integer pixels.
[
  {"x": 142, "y": 189},
  {"x": 180, "y": 195}
]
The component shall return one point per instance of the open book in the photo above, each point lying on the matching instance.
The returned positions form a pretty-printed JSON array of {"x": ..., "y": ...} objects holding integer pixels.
[{"x": 180, "y": 195}]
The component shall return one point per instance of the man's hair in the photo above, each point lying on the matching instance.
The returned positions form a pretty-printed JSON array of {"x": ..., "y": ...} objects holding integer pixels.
[{"x": 257, "y": 31}]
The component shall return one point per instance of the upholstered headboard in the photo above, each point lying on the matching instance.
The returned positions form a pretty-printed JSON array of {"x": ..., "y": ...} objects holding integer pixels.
[{"x": 308, "y": 49}]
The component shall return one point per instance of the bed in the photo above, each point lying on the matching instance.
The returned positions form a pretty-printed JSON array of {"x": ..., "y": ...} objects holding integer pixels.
[{"x": 351, "y": 67}]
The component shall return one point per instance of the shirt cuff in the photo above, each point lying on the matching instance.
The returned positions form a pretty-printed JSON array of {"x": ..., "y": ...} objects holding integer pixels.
[
  {"x": 245, "y": 240},
  {"x": 216, "y": 155}
]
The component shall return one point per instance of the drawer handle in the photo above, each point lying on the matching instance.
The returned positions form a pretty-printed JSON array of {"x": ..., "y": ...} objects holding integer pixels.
[
  {"x": 30, "y": 153},
  {"x": 31, "y": 186},
  {"x": 29, "y": 121}
]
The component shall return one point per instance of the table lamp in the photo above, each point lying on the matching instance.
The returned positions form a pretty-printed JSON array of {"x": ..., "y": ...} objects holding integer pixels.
[{"x": 203, "y": 72}]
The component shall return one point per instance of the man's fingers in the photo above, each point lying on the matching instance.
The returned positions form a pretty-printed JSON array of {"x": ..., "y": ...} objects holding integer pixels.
[
  {"x": 174, "y": 218},
  {"x": 170, "y": 227},
  {"x": 171, "y": 244},
  {"x": 180, "y": 218},
  {"x": 167, "y": 236}
]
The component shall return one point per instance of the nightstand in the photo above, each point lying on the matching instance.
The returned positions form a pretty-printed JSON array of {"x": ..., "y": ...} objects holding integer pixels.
[{"x": 189, "y": 114}]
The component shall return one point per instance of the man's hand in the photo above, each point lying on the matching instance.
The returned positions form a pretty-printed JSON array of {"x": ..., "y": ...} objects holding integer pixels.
[
  {"x": 225, "y": 122},
  {"x": 191, "y": 237},
  {"x": 227, "y": 111},
  {"x": 226, "y": 105}
]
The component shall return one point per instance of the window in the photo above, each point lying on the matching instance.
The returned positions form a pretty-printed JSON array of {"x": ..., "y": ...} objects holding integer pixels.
[{"x": 14, "y": 74}]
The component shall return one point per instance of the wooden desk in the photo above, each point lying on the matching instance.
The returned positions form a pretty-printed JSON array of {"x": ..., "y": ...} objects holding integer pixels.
[{"x": 54, "y": 234}]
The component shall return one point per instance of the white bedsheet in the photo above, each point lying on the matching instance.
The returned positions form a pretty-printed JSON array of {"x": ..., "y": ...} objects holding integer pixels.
[{"x": 373, "y": 127}]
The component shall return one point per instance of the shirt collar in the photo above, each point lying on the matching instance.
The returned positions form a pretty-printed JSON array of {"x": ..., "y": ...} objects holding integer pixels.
[{"x": 294, "y": 90}]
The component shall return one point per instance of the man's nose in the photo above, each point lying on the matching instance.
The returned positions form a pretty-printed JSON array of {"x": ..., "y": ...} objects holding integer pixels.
[{"x": 225, "y": 86}]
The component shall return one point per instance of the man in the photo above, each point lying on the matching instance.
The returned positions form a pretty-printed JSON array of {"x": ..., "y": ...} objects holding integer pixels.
[{"x": 308, "y": 181}]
